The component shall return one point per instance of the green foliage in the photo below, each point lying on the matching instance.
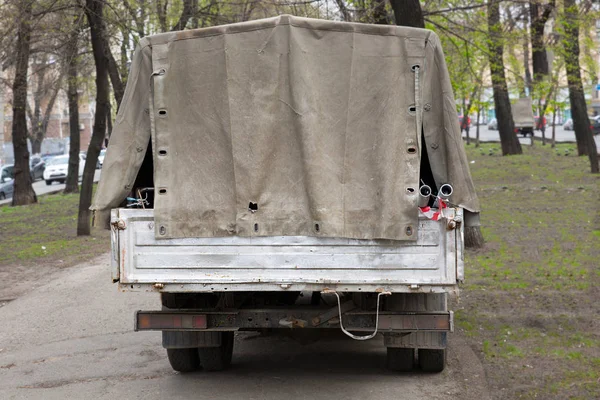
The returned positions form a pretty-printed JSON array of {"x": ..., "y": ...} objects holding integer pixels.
[{"x": 464, "y": 39}]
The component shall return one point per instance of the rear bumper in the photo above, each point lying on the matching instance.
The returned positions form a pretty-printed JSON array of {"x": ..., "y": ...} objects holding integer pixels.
[{"x": 250, "y": 319}]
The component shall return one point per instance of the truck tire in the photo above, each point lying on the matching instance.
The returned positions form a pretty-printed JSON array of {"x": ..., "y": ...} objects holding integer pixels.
[
  {"x": 183, "y": 360},
  {"x": 217, "y": 358},
  {"x": 432, "y": 360},
  {"x": 400, "y": 359}
]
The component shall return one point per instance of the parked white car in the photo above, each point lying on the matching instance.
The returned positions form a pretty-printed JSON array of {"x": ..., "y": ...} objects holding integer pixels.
[
  {"x": 493, "y": 124},
  {"x": 57, "y": 167}
]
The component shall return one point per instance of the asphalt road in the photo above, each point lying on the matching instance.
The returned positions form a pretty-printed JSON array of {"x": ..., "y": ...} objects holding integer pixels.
[
  {"x": 562, "y": 136},
  {"x": 71, "y": 337},
  {"x": 40, "y": 187}
]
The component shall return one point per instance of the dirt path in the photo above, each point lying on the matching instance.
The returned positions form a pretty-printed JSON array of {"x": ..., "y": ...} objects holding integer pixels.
[{"x": 71, "y": 336}]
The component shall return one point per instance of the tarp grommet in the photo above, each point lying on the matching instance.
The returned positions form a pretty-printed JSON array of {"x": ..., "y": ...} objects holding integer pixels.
[{"x": 415, "y": 67}]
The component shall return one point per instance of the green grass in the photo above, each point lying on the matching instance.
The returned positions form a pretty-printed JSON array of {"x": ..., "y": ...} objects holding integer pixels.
[
  {"x": 45, "y": 233},
  {"x": 530, "y": 296}
]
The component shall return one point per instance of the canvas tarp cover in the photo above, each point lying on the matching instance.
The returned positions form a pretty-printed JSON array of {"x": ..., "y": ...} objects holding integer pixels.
[
  {"x": 316, "y": 123},
  {"x": 522, "y": 112}
]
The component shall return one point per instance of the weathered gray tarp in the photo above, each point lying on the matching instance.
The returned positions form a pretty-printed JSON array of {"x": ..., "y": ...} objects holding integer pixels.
[
  {"x": 316, "y": 122},
  {"x": 522, "y": 112}
]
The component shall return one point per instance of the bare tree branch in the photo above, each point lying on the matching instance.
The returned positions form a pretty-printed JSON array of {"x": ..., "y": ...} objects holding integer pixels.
[
  {"x": 343, "y": 10},
  {"x": 186, "y": 14}
]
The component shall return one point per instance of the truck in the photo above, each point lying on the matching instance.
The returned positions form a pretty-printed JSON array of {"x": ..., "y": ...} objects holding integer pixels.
[
  {"x": 289, "y": 175},
  {"x": 524, "y": 120}
]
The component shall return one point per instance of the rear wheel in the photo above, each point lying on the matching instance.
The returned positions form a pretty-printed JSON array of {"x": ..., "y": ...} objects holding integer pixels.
[
  {"x": 217, "y": 358},
  {"x": 183, "y": 360},
  {"x": 432, "y": 360},
  {"x": 48, "y": 182},
  {"x": 2, "y": 196},
  {"x": 400, "y": 359}
]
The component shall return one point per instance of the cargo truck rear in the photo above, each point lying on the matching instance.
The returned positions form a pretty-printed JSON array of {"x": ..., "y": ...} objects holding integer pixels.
[{"x": 289, "y": 175}]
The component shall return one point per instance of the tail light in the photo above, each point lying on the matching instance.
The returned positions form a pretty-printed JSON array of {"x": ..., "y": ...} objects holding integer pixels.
[{"x": 148, "y": 321}]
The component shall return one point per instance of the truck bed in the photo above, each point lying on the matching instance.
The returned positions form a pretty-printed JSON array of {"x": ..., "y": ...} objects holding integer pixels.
[{"x": 432, "y": 264}]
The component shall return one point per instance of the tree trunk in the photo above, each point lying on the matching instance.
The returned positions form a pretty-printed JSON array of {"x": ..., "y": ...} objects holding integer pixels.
[
  {"x": 23, "y": 191},
  {"x": 93, "y": 11},
  {"x": 48, "y": 112},
  {"x": 581, "y": 122},
  {"x": 528, "y": 79},
  {"x": 539, "y": 56},
  {"x": 380, "y": 15},
  {"x": 506, "y": 126},
  {"x": 186, "y": 14},
  {"x": 35, "y": 115},
  {"x": 408, "y": 13},
  {"x": 195, "y": 19},
  {"x": 72, "y": 185},
  {"x": 477, "y": 129},
  {"x": 553, "y": 143},
  {"x": 161, "y": 12},
  {"x": 37, "y": 138},
  {"x": 115, "y": 75},
  {"x": 465, "y": 121}
]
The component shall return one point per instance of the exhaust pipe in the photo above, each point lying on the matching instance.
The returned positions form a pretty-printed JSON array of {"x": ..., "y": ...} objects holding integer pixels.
[{"x": 424, "y": 195}]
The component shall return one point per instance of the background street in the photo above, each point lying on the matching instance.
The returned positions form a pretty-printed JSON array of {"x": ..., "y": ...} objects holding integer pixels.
[
  {"x": 562, "y": 136},
  {"x": 40, "y": 187}
]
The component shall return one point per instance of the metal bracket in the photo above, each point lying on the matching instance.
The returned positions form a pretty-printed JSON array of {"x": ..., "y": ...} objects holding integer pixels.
[
  {"x": 355, "y": 337},
  {"x": 332, "y": 313}
]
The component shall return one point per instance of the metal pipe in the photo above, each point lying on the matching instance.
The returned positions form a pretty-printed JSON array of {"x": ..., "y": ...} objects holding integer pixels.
[
  {"x": 424, "y": 195},
  {"x": 445, "y": 191}
]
